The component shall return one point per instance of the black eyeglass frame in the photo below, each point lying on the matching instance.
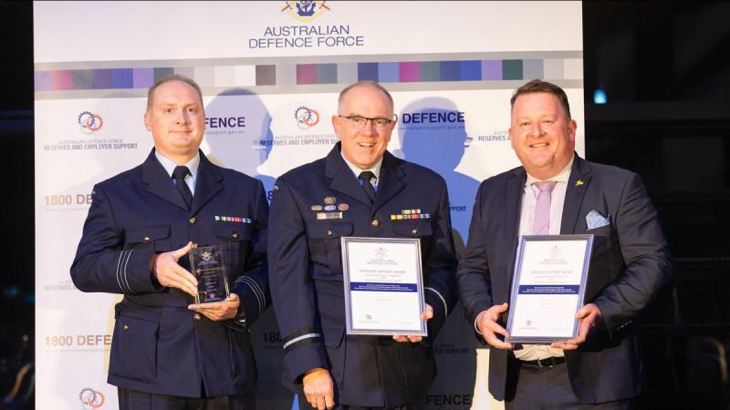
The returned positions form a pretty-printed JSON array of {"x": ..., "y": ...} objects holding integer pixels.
[{"x": 353, "y": 119}]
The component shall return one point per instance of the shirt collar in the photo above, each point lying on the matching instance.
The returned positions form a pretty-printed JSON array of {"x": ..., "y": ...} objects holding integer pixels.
[
  {"x": 170, "y": 165},
  {"x": 375, "y": 169},
  {"x": 562, "y": 176}
]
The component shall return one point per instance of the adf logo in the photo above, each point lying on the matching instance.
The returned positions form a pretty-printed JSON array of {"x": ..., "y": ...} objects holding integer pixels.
[
  {"x": 306, "y": 11},
  {"x": 91, "y": 399},
  {"x": 89, "y": 122}
]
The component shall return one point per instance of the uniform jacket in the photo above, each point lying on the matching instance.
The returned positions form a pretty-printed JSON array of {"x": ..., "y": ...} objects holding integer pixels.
[
  {"x": 306, "y": 275},
  {"x": 159, "y": 346},
  {"x": 629, "y": 263}
]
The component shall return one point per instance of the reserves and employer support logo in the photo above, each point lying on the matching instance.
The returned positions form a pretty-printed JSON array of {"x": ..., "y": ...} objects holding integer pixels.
[
  {"x": 91, "y": 399},
  {"x": 89, "y": 122}
]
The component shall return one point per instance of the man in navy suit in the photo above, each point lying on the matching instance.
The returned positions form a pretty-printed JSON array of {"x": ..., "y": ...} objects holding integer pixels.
[
  {"x": 167, "y": 352},
  {"x": 629, "y": 264},
  {"x": 360, "y": 190}
]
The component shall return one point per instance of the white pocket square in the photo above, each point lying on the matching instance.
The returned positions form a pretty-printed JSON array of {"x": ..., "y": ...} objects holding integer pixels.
[{"x": 594, "y": 220}]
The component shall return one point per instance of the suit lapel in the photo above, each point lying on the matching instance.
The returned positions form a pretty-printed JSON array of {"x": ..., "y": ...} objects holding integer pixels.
[
  {"x": 580, "y": 178},
  {"x": 513, "y": 198},
  {"x": 342, "y": 177},
  {"x": 208, "y": 184},
  {"x": 159, "y": 183}
]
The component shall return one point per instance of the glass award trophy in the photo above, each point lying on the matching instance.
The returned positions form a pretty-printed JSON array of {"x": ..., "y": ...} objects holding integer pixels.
[{"x": 209, "y": 268}]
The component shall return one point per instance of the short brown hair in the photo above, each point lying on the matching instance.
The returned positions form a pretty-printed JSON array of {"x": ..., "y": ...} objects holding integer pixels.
[
  {"x": 362, "y": 83},
  {"x": 167, "y": 79},
  {"x": 539, "y": 86}
]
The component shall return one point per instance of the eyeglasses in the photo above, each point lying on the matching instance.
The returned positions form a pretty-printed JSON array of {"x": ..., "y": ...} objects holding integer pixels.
[{"x": 360, "y": 122}]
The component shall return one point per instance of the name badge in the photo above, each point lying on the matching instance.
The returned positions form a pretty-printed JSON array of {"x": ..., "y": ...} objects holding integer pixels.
[{"x": 329, "y": 215}]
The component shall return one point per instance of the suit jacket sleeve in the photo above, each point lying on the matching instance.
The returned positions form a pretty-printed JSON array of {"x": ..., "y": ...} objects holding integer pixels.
[
  {"x": 441, "y": 292},
  {"x": 645, "y": 254},
  {"x": 473, "y": 276},
  {"x": 290, "y": 283},
  {"x": 102, "y": 264},
  {"x": 252, "y": 285}
]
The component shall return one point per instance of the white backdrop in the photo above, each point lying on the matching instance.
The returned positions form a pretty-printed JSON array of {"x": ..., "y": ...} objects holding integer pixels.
[{"x": 270, "y": 74}]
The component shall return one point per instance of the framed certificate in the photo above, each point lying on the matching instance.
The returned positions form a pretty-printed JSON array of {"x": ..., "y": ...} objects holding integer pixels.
[
  {"x": 548, "y": 287},
  {"x": 383, "y": 286}
]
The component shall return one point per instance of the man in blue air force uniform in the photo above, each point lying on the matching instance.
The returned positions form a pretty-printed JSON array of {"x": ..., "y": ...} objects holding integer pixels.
[
  {"x": 362, "y": 190},
  {"x": 167, "y": 352}
]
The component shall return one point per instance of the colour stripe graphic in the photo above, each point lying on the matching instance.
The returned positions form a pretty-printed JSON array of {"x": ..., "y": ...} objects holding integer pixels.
[{"x": 306, "y": 73}]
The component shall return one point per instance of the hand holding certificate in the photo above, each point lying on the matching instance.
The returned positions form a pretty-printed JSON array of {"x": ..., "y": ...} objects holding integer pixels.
[
  {"x": 548, "y": 288},
  {"x": 383, "y": 286}
]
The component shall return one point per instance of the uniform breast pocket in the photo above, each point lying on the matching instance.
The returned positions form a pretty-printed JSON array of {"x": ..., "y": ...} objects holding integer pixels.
[
  {"x": 156, "y": 237},
  {"x": 413, "y": 229},
  {"x": 324, "y": 247},
  {"x": 233, "y": 238}
]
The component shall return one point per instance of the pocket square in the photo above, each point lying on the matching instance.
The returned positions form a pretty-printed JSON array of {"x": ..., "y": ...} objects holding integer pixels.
[{"x": 594, "y": 220}]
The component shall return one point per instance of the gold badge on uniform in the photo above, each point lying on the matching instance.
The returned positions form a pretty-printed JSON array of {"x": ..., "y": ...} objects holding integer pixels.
[
  {"x": 329, "y": 200},
  {"x": 316, "y": 208}
]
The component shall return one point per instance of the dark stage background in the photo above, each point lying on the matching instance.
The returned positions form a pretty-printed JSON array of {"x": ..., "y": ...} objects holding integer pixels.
[{"x": 665, "y": 70}]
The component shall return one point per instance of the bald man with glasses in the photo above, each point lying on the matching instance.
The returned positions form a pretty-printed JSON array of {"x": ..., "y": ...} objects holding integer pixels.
[{"x": 358, "y": 190}]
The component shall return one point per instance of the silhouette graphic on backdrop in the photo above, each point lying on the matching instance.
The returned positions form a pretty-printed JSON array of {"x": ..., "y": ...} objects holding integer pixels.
[
  {"x": 238, "y": 133},
  {"x": 433, "y": 134}
]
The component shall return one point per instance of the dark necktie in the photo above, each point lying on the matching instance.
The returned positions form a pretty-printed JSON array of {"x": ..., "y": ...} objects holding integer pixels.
[
  {"x": 365, "y": 178},
  {"x": 179, "y": 174}
]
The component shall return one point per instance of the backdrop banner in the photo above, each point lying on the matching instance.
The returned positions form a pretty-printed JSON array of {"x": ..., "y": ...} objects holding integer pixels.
[{"x": 270, "y": 73}]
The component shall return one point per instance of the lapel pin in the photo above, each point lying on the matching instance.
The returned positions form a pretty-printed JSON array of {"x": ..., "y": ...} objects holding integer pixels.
[{"x": 578, "y": 183}]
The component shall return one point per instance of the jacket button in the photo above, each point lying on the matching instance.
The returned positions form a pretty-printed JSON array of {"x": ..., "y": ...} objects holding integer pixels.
[
  {"x": 197, "y": 316},
  {"x": 193, "y": 220},
  {"x": 125, "y": 327},
  {"x": 329, "y": 233},
  {"x": 375, "y": 223},
  {"x": 235, "y": 235},
  {"x": 146, "y": 238},
  {"x": 415, "y": 231}
]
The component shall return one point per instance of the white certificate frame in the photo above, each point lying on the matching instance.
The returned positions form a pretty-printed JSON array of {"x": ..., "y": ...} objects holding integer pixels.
[
  {"x": 552, "y": 296},
  {"x": 355, "y": 325}
]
